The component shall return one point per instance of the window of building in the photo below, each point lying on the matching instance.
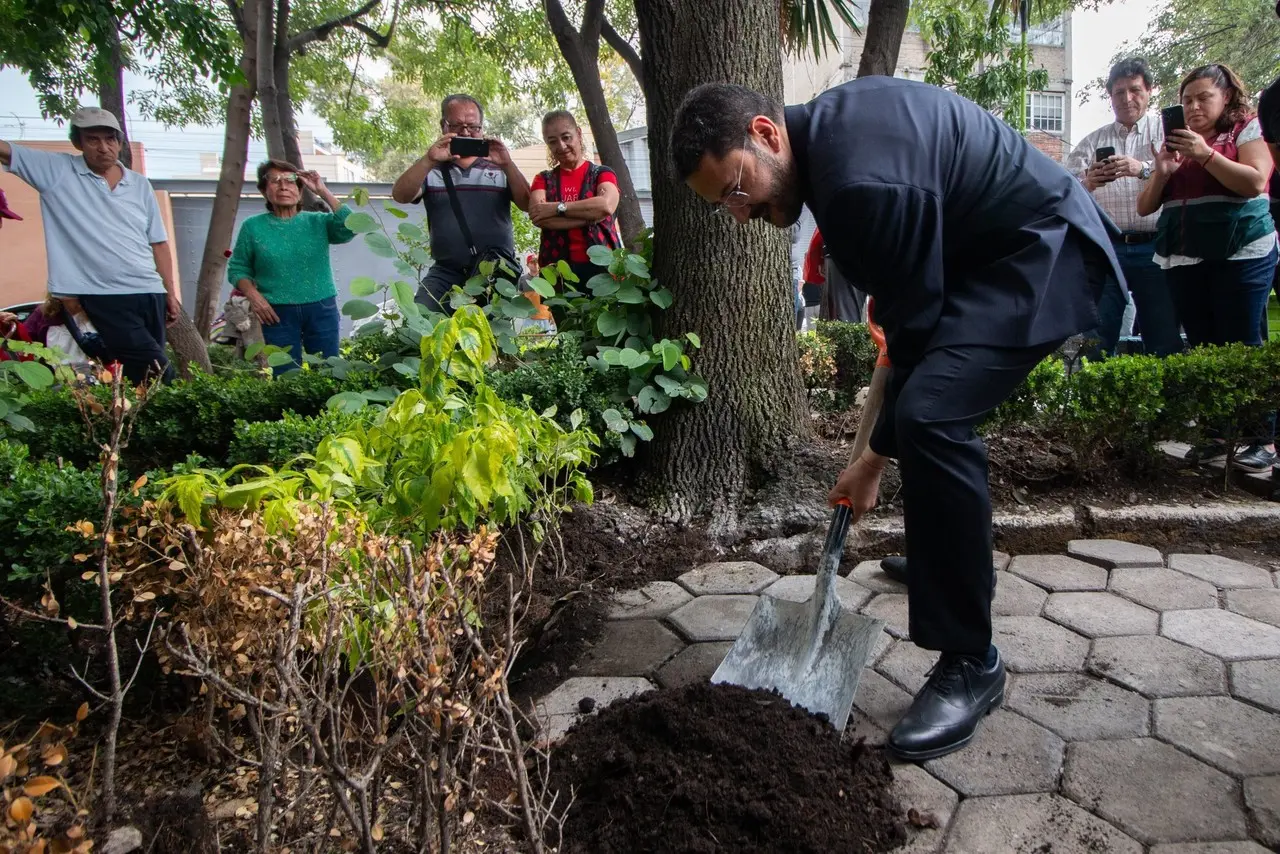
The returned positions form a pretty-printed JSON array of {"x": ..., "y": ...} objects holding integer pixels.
[
  {"x": 1049, "y": 33},
  {"x": 1046, "y": 111}
]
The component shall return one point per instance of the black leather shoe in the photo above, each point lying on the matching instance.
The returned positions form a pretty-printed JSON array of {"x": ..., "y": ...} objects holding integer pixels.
[
  {"x": 895, "y": 567},
  {"x": 946, "y": 713}
]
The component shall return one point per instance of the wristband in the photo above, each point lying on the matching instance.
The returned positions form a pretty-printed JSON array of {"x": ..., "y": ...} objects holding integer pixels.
[{"x": 1205, "y": 162}]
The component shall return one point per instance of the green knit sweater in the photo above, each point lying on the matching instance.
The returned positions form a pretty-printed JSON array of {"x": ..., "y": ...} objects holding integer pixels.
[{"x": 288, "y": 259}]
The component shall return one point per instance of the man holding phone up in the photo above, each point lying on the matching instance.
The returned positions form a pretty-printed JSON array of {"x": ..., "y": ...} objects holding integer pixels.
[
  {"x": 466, "y": 183},
  {"x": 1113, "y": 162}
]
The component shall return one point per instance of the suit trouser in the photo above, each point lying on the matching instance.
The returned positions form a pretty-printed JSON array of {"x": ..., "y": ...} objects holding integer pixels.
[{"x": 935, "y": 406}]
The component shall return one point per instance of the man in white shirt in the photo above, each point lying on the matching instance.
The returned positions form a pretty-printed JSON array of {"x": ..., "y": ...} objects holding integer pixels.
[
  {"x": 1115, "y": 181},
  {"x": 105, "y": 240}
]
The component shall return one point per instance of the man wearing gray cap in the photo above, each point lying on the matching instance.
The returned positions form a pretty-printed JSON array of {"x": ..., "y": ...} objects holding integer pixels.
[{"x": 105, "y": 240}]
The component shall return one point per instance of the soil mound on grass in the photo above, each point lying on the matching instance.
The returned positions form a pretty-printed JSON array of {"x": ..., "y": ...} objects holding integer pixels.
[{"x": 717, "y": 768}]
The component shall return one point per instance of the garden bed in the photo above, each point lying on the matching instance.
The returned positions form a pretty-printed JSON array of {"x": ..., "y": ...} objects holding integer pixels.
[{"x": 721, "y": 769}]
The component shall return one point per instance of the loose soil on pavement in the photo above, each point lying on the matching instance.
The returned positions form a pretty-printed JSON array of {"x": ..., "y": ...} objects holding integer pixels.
[{"x": 718, "y": 768}]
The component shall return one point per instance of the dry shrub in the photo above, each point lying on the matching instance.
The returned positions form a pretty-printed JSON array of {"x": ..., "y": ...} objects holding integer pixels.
[
  {"x": 29, "y": 778},
  {"x": 352, "y": 661}
]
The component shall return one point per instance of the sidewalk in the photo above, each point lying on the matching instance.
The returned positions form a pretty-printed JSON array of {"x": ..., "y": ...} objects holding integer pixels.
[{"x": 1142, "y": 713}]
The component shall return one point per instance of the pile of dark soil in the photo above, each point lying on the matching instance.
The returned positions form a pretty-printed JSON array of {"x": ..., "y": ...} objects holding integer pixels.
[{"x": 717, "y": 768}]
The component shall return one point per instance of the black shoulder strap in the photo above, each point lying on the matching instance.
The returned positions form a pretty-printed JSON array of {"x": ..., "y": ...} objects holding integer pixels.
[{"x": 457, "y": 209}]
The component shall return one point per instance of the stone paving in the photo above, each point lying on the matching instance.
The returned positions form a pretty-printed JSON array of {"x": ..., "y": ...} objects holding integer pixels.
[{"x": 1142, "y": 712}]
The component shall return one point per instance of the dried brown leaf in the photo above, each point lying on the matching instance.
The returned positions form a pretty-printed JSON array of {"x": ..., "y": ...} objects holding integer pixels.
[
  {"x": 82, "y": 712},
  {"x": 21, "y": 809},
  {"x": 38, "y": 786}
]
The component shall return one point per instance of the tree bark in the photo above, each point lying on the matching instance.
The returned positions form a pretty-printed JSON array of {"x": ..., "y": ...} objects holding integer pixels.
[
  {"x": 110, "y": 67},
  {"x": 268, "y": 97},
  {"x": 886, "y": 21},
  {"x": 731, "y": 283},
  {"x": 226, "y": 200},
  {"x": 581, "y": 51}
]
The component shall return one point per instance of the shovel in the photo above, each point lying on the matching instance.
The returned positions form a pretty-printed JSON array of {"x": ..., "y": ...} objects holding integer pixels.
[{"x": 813, "y": 652}]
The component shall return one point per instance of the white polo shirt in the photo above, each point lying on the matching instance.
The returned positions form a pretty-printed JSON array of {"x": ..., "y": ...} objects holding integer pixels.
[{"x": 98, "y": 240}]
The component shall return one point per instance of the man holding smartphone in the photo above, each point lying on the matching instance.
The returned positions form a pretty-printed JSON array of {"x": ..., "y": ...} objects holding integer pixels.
[
  {"x": 1113, "y": 162},
  {"x": 467, "y": 183}
]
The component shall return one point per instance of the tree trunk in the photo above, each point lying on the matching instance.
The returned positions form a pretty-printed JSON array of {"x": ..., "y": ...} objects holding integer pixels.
[
  {"x": 188, "y": 346},
  {"x": 581, "y": 52},
  {"x": 732, "y": 284},
  {"x": 284, "y": 100},
  {"x": 110, "y": 67},
  {"x": 268, "y": 98},
  {"x": 886, "y": 21},
  {"x": 226, "y": 200}
]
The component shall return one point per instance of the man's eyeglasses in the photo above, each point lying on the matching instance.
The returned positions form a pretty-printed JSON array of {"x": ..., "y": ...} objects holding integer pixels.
[
  {"x": 735, "y": 199},
  {"x": 460, "y": 129}
]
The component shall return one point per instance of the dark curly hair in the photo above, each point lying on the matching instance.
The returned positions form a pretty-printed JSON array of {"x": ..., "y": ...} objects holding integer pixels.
[
  {"x": 1238, "y": 108},
  {"x": 267, "y": 166}
]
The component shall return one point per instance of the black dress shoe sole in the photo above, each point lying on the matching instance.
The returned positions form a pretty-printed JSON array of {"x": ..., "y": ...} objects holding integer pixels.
[{"x": 935, "y": 752}]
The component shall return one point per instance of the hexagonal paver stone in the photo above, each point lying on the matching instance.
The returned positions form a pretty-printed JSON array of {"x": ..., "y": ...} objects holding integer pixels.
[
  {"x": 651, "y": 602},
  {"x": 1258, "y": 682},
  {"x": 1098, "y": 615},
  {"x": 798, "y": 588},
  {"x": 1035, "y": 645},
  {"x": 1059, "y": 573},
  {"x": 1222, "y": 633},
  {"x": 630, "y": 648},
  {"x": 1223, "y": 732},
  {"x": 1210, "y": 848},
  {"x": 1152, "y": 791},
  {"x": 892, "y": 608},
  {"x": 560, "y": 709},
  {"x": 880, "y": 700},
  {"x": 1079, "y": 707},
  {"x": 1000, "y": 561},
  {"x": 695, "y": 663},
  {"x": 713, "y": 618},
  {"x": 915, "y": 789},
  {"x": 1110, "y": 554},
  {"x": 1221, "y": 571},
  {"x": 868, "y": 574},
  {"x": 1157, "y": 667},
  {"x": 1163, "y": 589},
  {"x": 741, "y": 576},
  {"x": 1262, "y": 800},
  {"x": 1260, "y": 605},
  {"x": 908, "y": 665},
  {"x": 1033, "y": 823},
  {"x": 1017, "y": 598},
  {"x": 1009, "y": 755}
]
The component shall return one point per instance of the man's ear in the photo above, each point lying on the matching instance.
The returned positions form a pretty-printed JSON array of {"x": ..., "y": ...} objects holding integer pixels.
[{"x": 767, "y": 133}]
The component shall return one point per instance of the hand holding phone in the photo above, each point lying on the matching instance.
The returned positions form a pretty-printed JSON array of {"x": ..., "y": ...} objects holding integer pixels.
[
  {"x": 1103, "y": 153},
  {"x": 467, "y": 146}
]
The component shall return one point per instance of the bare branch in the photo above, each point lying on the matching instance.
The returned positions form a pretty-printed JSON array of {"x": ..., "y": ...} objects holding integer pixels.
[
  {"x": 624, "y": 49},
  {"x": 320, "y": 32}
]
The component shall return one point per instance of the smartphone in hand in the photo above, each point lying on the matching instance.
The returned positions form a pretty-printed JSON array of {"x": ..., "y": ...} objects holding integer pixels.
[
  {"x": 1103, "y": 153},
  {"x": 1173, "y": 118},
  {"x": 467, "y": 146}
]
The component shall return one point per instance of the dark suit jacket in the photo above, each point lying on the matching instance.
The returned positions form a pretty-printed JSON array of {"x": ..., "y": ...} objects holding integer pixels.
[{"x": 963, "y": 231}]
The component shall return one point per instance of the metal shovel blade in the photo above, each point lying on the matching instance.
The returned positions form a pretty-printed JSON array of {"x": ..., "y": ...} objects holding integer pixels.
[{"x": 810, "y": 652}]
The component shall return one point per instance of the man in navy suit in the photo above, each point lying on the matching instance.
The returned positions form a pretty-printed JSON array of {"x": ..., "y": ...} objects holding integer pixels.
[{"x": 983, "y": 256}]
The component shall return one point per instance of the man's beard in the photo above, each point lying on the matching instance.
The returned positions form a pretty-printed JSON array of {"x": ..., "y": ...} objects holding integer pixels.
[{"x": 785, "y": 199}]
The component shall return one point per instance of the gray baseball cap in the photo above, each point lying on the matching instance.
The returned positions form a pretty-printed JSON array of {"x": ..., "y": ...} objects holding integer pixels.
[{"x": 95, "y": 117}]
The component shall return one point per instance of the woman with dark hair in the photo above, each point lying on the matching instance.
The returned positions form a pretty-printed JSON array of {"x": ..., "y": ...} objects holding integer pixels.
[
  {"x": 281, "y": 262},
  {"x": 1215, "y": 238},
  {"x": 573, "y": 202}
]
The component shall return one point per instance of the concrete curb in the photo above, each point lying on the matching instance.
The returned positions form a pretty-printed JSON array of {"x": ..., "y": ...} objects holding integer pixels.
[{"x": 1221, "y": 522}]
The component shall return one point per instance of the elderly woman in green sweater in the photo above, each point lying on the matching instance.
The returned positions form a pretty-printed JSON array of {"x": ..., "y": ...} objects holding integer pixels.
[{"x": 281, "y": 263}]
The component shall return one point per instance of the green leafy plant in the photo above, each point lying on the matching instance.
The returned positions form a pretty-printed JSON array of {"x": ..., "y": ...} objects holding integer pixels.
[
  {"x": 20, "y": 376},
  {"x": 854, "y": 357},
  {"x": 449, "y": 453},
  {"x": 275, "y": 443}
]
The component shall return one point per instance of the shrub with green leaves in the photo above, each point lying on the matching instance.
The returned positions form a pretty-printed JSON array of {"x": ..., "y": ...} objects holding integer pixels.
[
  {"x": 447, "y": 454},
  {"x": 38, "y": 500},
  {"x": 275, "y": 443},
  {"x": 855, "y": 357}
]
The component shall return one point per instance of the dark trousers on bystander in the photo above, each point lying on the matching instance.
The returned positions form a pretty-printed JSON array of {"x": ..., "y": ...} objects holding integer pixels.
[{"x": 132, "y": 328}]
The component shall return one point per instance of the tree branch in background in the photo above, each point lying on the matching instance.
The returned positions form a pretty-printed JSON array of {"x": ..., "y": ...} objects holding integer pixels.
[{"x": 624, "y": 49}]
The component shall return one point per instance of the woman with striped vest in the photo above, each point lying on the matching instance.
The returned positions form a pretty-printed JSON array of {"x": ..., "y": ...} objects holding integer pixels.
[
  {"x": 573, "y": 202},
  {"x": 1215, "y": 238}
]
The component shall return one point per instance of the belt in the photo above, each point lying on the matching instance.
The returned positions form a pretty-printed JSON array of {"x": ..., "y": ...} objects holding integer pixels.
[{"x": 1132, "y": 237}]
